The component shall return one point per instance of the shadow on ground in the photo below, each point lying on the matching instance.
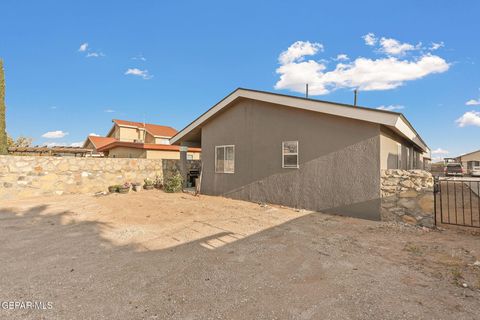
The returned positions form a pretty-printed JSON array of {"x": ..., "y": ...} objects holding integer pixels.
[{"x": 315, "y": 266}]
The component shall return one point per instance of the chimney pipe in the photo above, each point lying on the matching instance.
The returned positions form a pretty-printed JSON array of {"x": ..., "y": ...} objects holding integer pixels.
[
  {"x": 306, "y": 91},
  {"x": 355, "y": 92}
]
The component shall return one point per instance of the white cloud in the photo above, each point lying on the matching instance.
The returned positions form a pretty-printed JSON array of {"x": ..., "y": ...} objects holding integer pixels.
[
  {"x": 139, "y": 73},
  {"x": 341, "y": 57},
  {"x": 54, "y": 134},
  {"x": 370, "y": 39},
  {"x": 76, "y": 144},
  {"x": 392, "y": 107},
  {"x": 139, "y": 57},
  {"x": 109, "y": 110},
  {"x": 83, "y": 47},
  {"x": 55, "y": 144},
  {"x": 473, "y": 102},
  {"x": 297, "y": 51},
  {"x": 440, "y": 151},
  {"x": 469, "y": 118},
  {"x": 95, "y": 54},
  {"x": 94, "y": 134},
  {"x": 394, "y": 47},
  {"x": 363, "y": 73},
  {"x": 436, "y": 45}
]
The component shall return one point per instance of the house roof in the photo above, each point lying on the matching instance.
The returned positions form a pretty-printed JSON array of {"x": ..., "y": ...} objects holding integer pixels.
[
  {"x": 393, "y": 120},
  {"x": 145, "y": 146},
  {"x": 153, "y": 129},
  {"x": 467, "y": 154},
  {"x": 99, "y": 142}
]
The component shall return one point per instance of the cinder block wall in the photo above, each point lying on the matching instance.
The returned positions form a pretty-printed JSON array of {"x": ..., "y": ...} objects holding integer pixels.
[{"x": 28, "y": 176}]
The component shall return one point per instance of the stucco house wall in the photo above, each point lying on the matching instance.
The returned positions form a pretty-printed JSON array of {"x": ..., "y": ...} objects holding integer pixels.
[
  {"x": 160, "y": 154},
  {"x": 338, "y": 157},
  {"x": 123, "y": 152},
  {"x": 470, "y": 160},
  {"x": 389, "y": 152}
]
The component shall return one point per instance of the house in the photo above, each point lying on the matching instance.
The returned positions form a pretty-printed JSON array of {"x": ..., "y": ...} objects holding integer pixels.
[
  {"x": 469, "y": 160},
  {"x": 96, "y": 142},
  {"x": 304, "y": 153},
  {"x": 128, "y": 139}
]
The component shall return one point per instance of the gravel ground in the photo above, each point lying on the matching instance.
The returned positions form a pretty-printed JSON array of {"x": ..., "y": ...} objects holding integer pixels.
[{"x": 152, "y": 255}]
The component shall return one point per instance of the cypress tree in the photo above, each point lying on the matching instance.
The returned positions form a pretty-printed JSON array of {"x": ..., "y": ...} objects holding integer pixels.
[{"x": 3, "y": 132}]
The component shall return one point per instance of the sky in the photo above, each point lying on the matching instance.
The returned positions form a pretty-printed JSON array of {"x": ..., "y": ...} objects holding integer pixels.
[{"x": 72, "y": 67}]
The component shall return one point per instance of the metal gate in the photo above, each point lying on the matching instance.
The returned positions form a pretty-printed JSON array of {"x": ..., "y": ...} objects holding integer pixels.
[{"x": 457, "y": 201}]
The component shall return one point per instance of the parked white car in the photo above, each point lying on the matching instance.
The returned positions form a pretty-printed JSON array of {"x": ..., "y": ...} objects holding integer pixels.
[{"x": 475, "y": 171}]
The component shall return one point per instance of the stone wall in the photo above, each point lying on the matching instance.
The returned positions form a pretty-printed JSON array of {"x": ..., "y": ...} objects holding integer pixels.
[
  {"x": 407, "y": 196},
  {"x": 27, "y": 176},
  {"x": 394, "y": 181}
]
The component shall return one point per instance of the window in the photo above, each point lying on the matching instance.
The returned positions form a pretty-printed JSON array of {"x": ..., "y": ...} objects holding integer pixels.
[
  {"x": 399, "y": 156},
  {"x": 408, "y": 158},
  {"x": 225, "y": 159},
  {"x": 290, "y": 154},
  {"x": 189, "y": 156}
]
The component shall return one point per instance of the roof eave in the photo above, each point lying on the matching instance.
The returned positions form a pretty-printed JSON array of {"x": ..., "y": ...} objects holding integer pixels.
[{"x": 390, "y": 119}]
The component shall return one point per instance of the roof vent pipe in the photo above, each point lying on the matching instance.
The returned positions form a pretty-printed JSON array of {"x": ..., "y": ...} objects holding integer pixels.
[
  {"x": 355, "y": 92},
  {"x": 306, "y": 91}
]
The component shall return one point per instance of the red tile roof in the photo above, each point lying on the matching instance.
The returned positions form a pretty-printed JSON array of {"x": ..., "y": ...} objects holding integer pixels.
[
  {"x": 99, "y": 142},
  {"x": 153, "y": 129},
  {"x": 145, "y": 146}
]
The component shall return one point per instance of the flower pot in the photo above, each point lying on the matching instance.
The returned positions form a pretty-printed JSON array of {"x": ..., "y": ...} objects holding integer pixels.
[
  {"x": 158, "y": 186},
  {"x": 137, "y": 188},
  {"x": 148, "y": 187},
  {"x": 112, "y": 189},
  {"x": 123, "y": 189}
]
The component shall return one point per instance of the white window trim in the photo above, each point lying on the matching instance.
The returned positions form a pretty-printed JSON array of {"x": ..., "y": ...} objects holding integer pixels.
[
  {"x": 289, "y": 153},
  {"x": 224, "y": 153}
]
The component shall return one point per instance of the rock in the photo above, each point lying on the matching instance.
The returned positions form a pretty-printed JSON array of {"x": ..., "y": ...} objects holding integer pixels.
[
  {"x": 425, "y": 203},
  {"x": 409, "y": 219},
  {"x": 476, "y": 264},
  {"x": 408, "y": 194},
  {"x": 408, "y": 203},
  {"x": 427, "y": 222},
  {"x": 407, "y": 184}
]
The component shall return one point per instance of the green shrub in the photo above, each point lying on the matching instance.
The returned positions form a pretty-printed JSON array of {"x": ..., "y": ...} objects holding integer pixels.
[{"x": 174, "y": 183}]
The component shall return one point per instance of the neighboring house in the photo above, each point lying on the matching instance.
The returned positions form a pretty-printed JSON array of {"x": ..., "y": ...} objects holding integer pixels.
[
  {"x": 96, "y": 142},
  {"x": 469, "y": 160},
  {"x": 299, "y": 152},
  {"x": 128, "y": 139}
]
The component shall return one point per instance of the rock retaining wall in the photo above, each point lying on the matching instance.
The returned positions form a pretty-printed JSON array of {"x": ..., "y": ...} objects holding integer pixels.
[
  {"x": 27, "y": 176},
  {"x": 394, "y": 181},
  {"x": 407, "y": 196}
]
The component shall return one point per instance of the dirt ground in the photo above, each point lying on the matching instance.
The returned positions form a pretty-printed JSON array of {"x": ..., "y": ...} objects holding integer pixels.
[{"x": 152, "y": 255}]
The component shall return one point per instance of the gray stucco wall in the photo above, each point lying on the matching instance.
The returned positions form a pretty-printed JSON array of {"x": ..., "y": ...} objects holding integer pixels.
[
  {"x": 389, "y": 152},
  {"x": 338, "y": 158}
]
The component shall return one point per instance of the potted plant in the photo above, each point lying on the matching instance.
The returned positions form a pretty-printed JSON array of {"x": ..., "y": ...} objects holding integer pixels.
[
  {"x": 136, "y": 186},
  {"x": 148, "y": 184},
  {"x": 158, "y": 182},
  {"x": 113, "y": 189},
  {"x": 124, "y": 188}
]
